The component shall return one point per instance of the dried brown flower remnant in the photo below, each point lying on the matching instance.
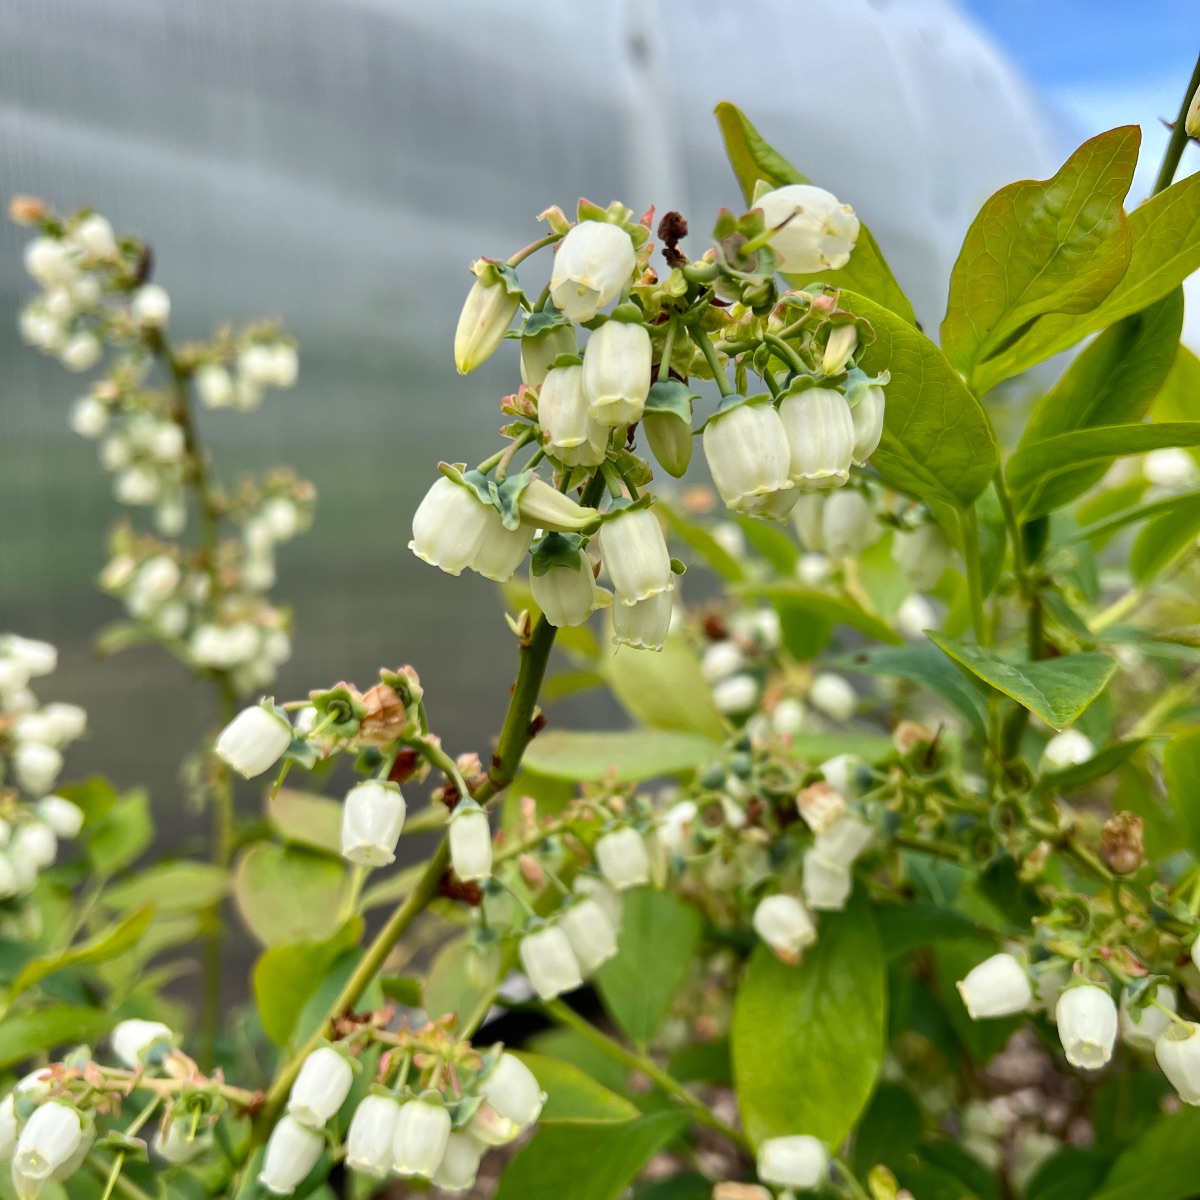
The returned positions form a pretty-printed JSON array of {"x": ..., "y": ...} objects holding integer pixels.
[{"x": 1121, "y": 842}]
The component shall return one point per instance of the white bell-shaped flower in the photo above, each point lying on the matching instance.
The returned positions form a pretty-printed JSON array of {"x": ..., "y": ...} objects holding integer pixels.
[
  {"x": 720, "y": 660},
  {"x": 34, "y": 844},
  {"x": 292, "y": 1152},
  {"x": 793, "y": 1162},
  {"x": 785, "y": 925},
  {"x": 789, "y": 717},
  {"x": 450, "y": 526},
  {"x": 867, "y": 416},
  {"x": 643, "y": 625},
  {"x": 512, "y": 1101},
  {"x": 826, "y": 885},
  {"x": 539, "y": 351},
  {"x": 133, "y": 1041},
  {"x": 372, "y": 1135},
  {"x": 592, "y": 265},
  {"x": 49, "y": 261},
  {"x": 598, "y": 889},
  {"x": 470, "y": 842},
  {"x": 36, "y": 767},
  {"x": 38, "y": 658},
  {"x": 321, "y": 1087},
  {"x": 820, "y": 437},
  {"x": 676, "y": 827},
  {"x": 460, "y": 1163},
  {"x": 747, "y": 452},
  {"x": 502, "y": 550},
  {"x": 616, "y": 373},
  {"x": 591, "y": 934},
  {"x": 1087, "y": 1025},
  {"x": 1142, "y": 1029},
  {"x": 833, "y": 696},
  {"x": 622, "y": 858},
  {"x": 849, "y": 524},
  {"x": 486, "y": 315},
  {"x": 814, "y": 231},
  {"x": 422, "y": 1130},
  {"x": 254, "y": 741},
  {"x": 1067, "y": 749},
  {"x": 923, "y": 554},
  {"x": 841, "y": 842},
  {"x": 997, "y": 987},
  {"x": 635, "y": 555},
  {"x": 573, "y": 435},
  {"x": 372, "y": 819},
  {"x": 68, "y": 721},
  {"x": 214, "y": 385},
  {"x": 566, "y": 595},
  {"x": 1170, "y": 467},
  {"x": 176, "y": 1146},
  {"x": 549, "y": 962},
  {"x": 915, "y": 615},
  {"x": 151, "y": 306},
  {"x": 736, "y": 695},
  {"x": 1178, "y": 1054},
  {"x": 52, "y": 1143},
  {"x": 94, "y": 238},
  {"x": 808, "y": 517},
  {"x": 89, "y": 418}
]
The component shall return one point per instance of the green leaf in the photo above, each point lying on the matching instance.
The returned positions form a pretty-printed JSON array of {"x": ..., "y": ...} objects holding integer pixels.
[
  {"x": 570, "y": 683},
  {"x": 937, "y": 441},
  {"x": 753, "y": 159},
  {"x": 1163, "y": 1164},
  {"x": 685, "y": 1185},
  {"x": 1165, "y": 251},
  {"x": 1181, "y": 770},
  {"x": 983, "y": 1040},
  {"x": 109, "y": 943},
  {"x": 1130, "y": 516},
  {"x": 772, "y": 543},
  {"x": 918, "y": 923},
  {"x": 697, "y": 538},
  {"x": 808, "y": 1041},
  {"x": 95, "y": 796},
  {"x": 461, "y": 972},
  {"x": 1113, "y": 382},
  {"x": 1099, "y": 766},
  {"x": 170, "y": 887},
  {"x": 927, "y": 667},
  {"x": 838, "y": 610},
  {"x": 1042, "y": 461},
  {"x": 1163, "y": 539},
  {"x": 284, "y": 893},
  {"x": 1057, "y": 690},
  {"x": 1071, "y": 1174},
  {"x": 25, "y": 1035},
  {"x": 586, "y": 1162},
  {"x": 890, "y": 1128},
  {"x": 287, "y": 974},
  {"x": 617, "y": 757},
  {"x": 307, "y": 820},
  {"x": 1176, "y": 399},
  {"x": 1042, "y": 246},
  {"x": 659, "y": 936},
  {"x": 817, "y": 747},
  {"x": 121, "y": 837},
  {"x": 573, "y": 1097}
]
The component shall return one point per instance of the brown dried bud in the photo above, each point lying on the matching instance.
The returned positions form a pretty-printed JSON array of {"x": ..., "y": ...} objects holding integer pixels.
[
  {"x": 26, "y": 210},
  {"x": 454, "y": 888},
  {"x": 405, "y": 765},
  {"x": 909, "y": 735},
  {"x": 1121, "y": 842},
  {"x": 820, "y": 804},
  {"x": 386, "y": 716},
  {"x": 531, "y": 871}
]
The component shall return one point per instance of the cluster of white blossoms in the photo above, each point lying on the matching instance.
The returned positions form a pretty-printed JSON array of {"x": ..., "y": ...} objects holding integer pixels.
[
  {"x": 33, "y": 737},
  {"x": 205, "y": 600}
]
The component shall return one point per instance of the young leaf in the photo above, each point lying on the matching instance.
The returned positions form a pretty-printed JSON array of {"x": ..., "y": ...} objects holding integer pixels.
[
  {"x": 618, "y": 757},
  {"x": 659, "y": 936},
  {"x": 753, "y": 159},
  {"x": 1057, "y": 690},
  {"x": 285, "y": 893},
  {"x": 808, "y": 1041},
  {"x": 937, "y": 441},
  {"x": 1042, "y": 246},
  {"x": 307, "y": 820},
  {"x": 1165, "y": 251},
  {"x": 172, "y": 886},
  {"x": 573, "y": 1098},
  {"x": 1162, "y": 540}
]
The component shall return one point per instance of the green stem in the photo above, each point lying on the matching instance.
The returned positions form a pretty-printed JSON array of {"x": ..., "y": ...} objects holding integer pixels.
[
  {"x": 695, "y": 1108},
  {"x": 853, "y": 1186},
  {"x": 969, "y": 524},
  {"x": 664, "y": 364},
  {"x": 1179, "y": 137},
  {"x": 533, "y": 247},
  {"x": 786, "y": 353},
  {"x": 710, "y": 356}
]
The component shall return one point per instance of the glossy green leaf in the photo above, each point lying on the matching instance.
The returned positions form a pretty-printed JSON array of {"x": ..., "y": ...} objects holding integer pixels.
[
  {"x": 586, "y": 1162},
  {"x": 573, "y": 1097},
  {"x": 889, "y": 1129},
  {"x": 26, "y": 1035},
  {"x": 122, "y": 836},
  {"x": 1179, "y": 397},
  {"x": 1042, "y": 246},
  {"x": 170, "y": 887},
  {"x": 1113, "y": 382},
  {"x": 1071, "y": 1174},
  {"x": 307, "y": 819},
  {"x": 1181, "y": 770},
  {"x": 837, "y": 610},
  {"x": 685, "y": 1185},
  {"x": 1162, "y": 1164},
  {"x": 1105, "y": 528},
  {"x": 620, "y": 757},
  {"x": 917, "y": 923},
  {"x": 1099, "y": 766},
  {"x": 285, "y": 893},
  {"x": 659, "y": 937},
  {"x": 1042, "y": 461},
  {"x": 808, "y": 1041},
  {"x": 1163, "y": 539},
  {"x": 753, "y": 160},
  {"x": 1165, "y": 251},
  {"x": 937, "y": 441},
  {"x": 1057, "y": 689}
]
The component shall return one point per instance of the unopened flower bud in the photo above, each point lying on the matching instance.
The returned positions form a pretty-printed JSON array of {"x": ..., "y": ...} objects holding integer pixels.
[
  {"x": 60, "y": 815},
  {"x": 38, "y": 658},
  {"x": 592, "y": 265},
  {"x": 747, "y": 452},
  {"x": 622, "y": 858},
  {"x": 1178, "y": 1054},
  {"x": 545, "y": 507},
  {"x": 321, "y": 1087},
  {"x": 808, "y": 517},
  {"x": 34, "y": 845},
  {"x": 138, "y": 486},
  {"x": 89, "y": 418},
  {"x": 82, "y": 352},
  {"x": 736, "y": 695},
  {"x": 1121, "y": 842},
  {"x": 821, "y": 805},
  {"x": 842, "y": 841},
  {"x": 94, "y": 237},
  {"x": 813, "y": 231},
  {"x": 1191, "y": 122},
  {"x": 827, "y": 886},
  {"x": 214, "y": 386},
  {"x": 512, "y": 1101},
  {"x": 643, "y": 625},
  {"x": 422, "y": 1130},
  {"x": 372, "y": 1135},
  {"x": 539, "y": 351},
  {"x": 833, "y": 696},
  {"x": 915, "y": 615},
  {"x": 486, "y": 315},
  {"x": 843, "y": 341},
  {"x": 1067, "y": 749},
  {"x": 785, "y": 925},
  {"x": 616, "y": 373},
  {"x": 867, "y": 416},
  {"x": 134, "y": 1041},
  {"x": 470, "y": 842},
  {"x": 670, "y": 440},
  {"x": 549, "y": 962},
  {"x": 849, "y": 524},
  {"x": 460, "y": 1163},
  {"x": 372, "y": 819},
  {"x": 292, "y": 1152},
  {"x": 820, "y": 436},
  {"x": 923, "y": 555},
  {"x": 997, "y": 987},
  {"x": 52, "y": 1144},
  {"x": 788, "y": 718},
  {"x": 151, "y": 306},
  {"x": 573, "y": 436},
  {"x": 26, "y": 210},
  {"x": 36, "y": 767},
  {"x": 591, "y": 934},
  {"x": 49, "y": 261},
  {"x": 1141, "y": 1028},
  {"x": 793, "y": 1162},
  {"x": 254, "y": 741},
  {"x": 635, "y": 555},
  {"x": 1087, "y": 1025}
]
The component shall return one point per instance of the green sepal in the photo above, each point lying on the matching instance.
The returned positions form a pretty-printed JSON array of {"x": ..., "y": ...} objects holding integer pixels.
[
  {"x": 566, "y": 360},
  {"x": 303, "y": 753},
  {"x": 490, "y": 271},
  {"x": 858, "y": 381},
  {"x": 508, "y": 496},
  {"x": 630, "y": 467},
  {"x": 556, "y": 550},
  {"x": 623, "y": 505},
  {"x": 341, "y": 704},
  {"x": 615, "y": 214},
  {"x": 540, "y": 322},
  {"x": 121, "y": 1143},
  {"x": 678, "y": 566},
  {"x": 729, "y": 403},
  {"x": 801, "y": 383},
  {"x": 673, "y": 397}
]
